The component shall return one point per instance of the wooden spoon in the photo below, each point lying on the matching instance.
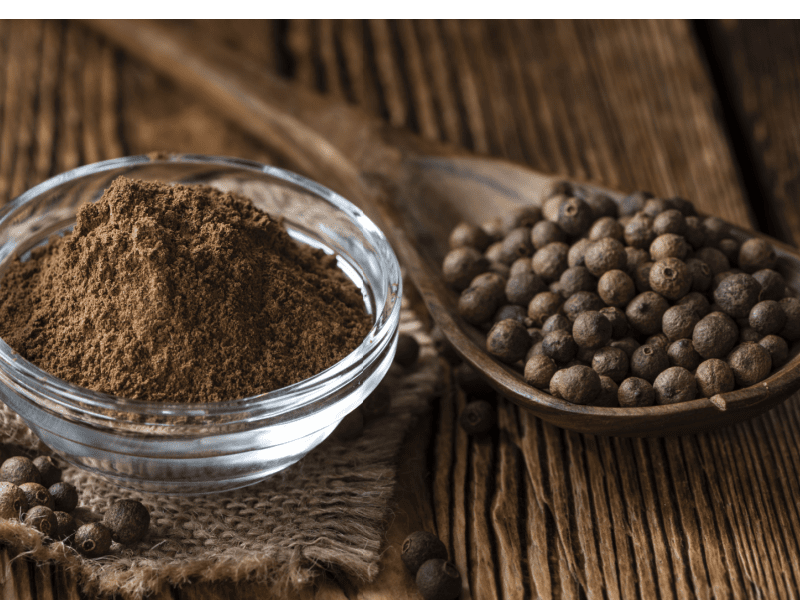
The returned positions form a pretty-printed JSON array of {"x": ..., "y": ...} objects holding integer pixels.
[{"x": 416, "y": 192}]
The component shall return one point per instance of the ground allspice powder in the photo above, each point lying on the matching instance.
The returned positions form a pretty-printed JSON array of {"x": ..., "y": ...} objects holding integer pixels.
[{"x": 179, "y": 294}]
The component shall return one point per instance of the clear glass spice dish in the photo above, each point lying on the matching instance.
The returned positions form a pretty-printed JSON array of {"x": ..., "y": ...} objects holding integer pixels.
[{"x": 192, "y": 448}]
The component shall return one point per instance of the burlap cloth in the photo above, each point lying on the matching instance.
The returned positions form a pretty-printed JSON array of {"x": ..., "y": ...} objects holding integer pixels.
[{"x": 327, "y": 512}]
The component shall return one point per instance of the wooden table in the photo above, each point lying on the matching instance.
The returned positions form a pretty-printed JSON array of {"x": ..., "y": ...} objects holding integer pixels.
[{"x": 710, "y": 111}]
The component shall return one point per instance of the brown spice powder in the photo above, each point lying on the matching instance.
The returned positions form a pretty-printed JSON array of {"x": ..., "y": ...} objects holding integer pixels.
[{"x": 179, "y": 294}]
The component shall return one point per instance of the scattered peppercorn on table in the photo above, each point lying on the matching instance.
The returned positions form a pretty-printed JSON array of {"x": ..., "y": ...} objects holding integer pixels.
[{"x": 523, "y": 509}]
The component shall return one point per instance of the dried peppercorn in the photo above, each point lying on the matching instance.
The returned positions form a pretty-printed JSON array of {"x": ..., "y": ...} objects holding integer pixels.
[
  {"x": 477, "y": 417},
  {"x": 715, "y": 335},
  {"x": 550, "y": 261},
  {"x": 635, "y": 392},
  {"x": 467, "y": 234},
  {"x": 750, "y": 363},
  {"x": 646, "y": 311},
  {"x": 670, "y": 277},
  {"x": 65, "y": 496},
  {"x": 128, "y": 520},
  {"x": 575, "y": 216},
  {"x": 48, "y": 469},
  {"x": 628, "y": 344},
  {"x": 65, "y": 525},
  {"x": 737, "y": 294},
  {"x": 773, "y": 285},
  {"x": 669, "y": 245},
  {"x": 516, "y": 244},
  {"x": 767, "y": 317},
  {"x": 602, "y": 206},
  {"x": 551, "y": 206},
  {"x": 608, "y": 393},
  {"x": 576, "y": 257},
  {"x": 713, "y": 377},
  {"x": 616, "y": 288},
  {"x": 591, "y": 330},
  {"x": 655, "y": 206},
  {"x": 659, "y": 340},
  {"x": 560, "y": 346},
  {"x": 639, "y": 231},
  {"x": 669, "y": 221},
  {"x": 611, "y": 362},
  {"x": 681, "y": 353},
  {"x": 778, "y": 349},
  {"x": 92, "y": 539},
  {"x": 674, "y": 385},
  {"x": 546, "y": 232},
  {"x": 606, "y": 227},
  {"x": 648, "y": 361},
  {"x": 604, "y": 255},
  {"x": 579, "y": 384},
  {"x": 791, "y": 330},
  {"x": 715, "y": 229},
  {"x": 619, "y": 322},
  {"x": 716, "y": 260},
  {"x": 438, "y": 579},
  {"x": 523, "y": 216},
  {"x": 679, "y": 321},
  {"x": 683, "y": 205},
  {"x": 576, "y": 279},
  {"x": 720, "y": 277},
  {"x": 641, "y": 277},
  {"x": 477, "y": 304},
  {"x": 748, "y": 334},
  {"x": 420, "y": 547},
  {"x": 634, "y": 258},
  {"x": 539, "y": 370},
  {"x": 37, "y": 495},
  {"x": 556, "y": 322},
  {"x": 407, "y": 350},
  {"x": 694, "y": 233},
  {"x": 730, "y": 248},
  {"x": 523, "y": 286},
  {"x": 19, "y": 470},
  {"x": 13, "y": 502},
  {"x": 698, "y": 302},
  {"x": 508, "y": 340},
  {"x": 543, "y": 306},
  {"x": 494, "y": 283},
  {"x": 521, "y": 265},
  {"x": 581, "y": 302},
  {"x": 634, "y": 202},
  {"x": 462, "y": 265},
  {"x": 511, "y": 311},
  {"x": 756, "y": 254},
  {"x": 42, "y": 518},
  {"x": 700, "y": 274}
]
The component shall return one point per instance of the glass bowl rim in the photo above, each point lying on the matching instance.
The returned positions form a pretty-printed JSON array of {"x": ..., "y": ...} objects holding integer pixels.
[{"x": 256, "y": 407}]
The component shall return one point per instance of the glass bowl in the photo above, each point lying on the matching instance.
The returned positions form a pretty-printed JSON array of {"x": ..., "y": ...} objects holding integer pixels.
[{"x": 182, "y": 448}]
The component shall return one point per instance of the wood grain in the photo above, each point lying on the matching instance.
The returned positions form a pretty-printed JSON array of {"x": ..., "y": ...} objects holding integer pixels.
[{"x": 531, "y": 511}]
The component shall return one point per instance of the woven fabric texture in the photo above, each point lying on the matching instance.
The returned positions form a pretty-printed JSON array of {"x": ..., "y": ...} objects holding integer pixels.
[{"x": 327, "y": 512}]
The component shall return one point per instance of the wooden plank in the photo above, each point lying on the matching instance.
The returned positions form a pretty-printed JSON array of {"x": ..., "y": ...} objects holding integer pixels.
[{"x": 760, "y": 69}]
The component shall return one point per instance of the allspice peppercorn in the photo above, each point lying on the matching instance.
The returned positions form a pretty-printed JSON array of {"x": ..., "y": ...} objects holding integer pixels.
[
  {"x": 580, "y": 302},
  {"x": 43, "y": 519},
  {"x": 602, "y": 206},
  {"x": 713, "y": 377},
  {"x": 543, "y": 306},
  {"x": 767, "y": 317},
  {"x": 608, "y": 393},
  {"x": 591, "y": 330},
  {"x": 750, "y": 363},
  {"x": 700, "y": 274},
  {"x": 420, "y": 547},
  {"x": 646, "y": 311},
  {"x": 604, "y": 255},
  {"x": 628, "y": 344},
  {"x": 19, "y": 470},
  {"x": 560, "y": 345},
  {"x": 634, "y": 392},
  {"x": 756, "y": 254},
  {"x": 65, "y": 496},
  {"x": 92, "y": 540},
  {"x": 575, "y": 216},
  {"x": 477, "y": 304},
  {"x": 773, "y": 285},
  {"x": 639, "y": 231},
  {"x": 48, "y": 469},
  {"x": 546, "y": 232},
  {"x": 438, "y": 579},
  {"x": 730, "y": 248},
  {"x": 633, "y": 203},
  {"x": 516, "y": 244},
  {"x": 13, "y": 502},
  {"x": 737, "y": 294},
  {"x": 551, "y": 261},
  {"x": 669, "y": 245},
  {"x": 715, "y": 335},
  {"x": 467, "y": 234},
  {"x": 508, "y": 340},
  {"x": 611, "y": 362},
  {"x": 648, "y": 361},
  {"x": 37, "y": 495},
  {"x": 66, "y": 525},
  {"x": 716, "y": 260},
  {"x": 511, "y": 311},
  {"x": 618, "y": 320},
  {"x": 539, "y": 370},
  {"x": 670, "y": 221},
  {"x": 128, "y": 520},
  {"x": 606, "y": 227},
  {"x": 556, "y": 322},
  {"x": 462, "y": 265},
  {"x": 791, "y": 330},
  {"x": 670, "y": 277},
  {"x": 674, "y": 385},
  {"x": 681, "y": 353},
  {"x": 616, "y": 288},
  {"x": 576, "y": 279},
  {"x": 576, "y": 257},
  {"x": 698, "y": 302},
  {"x": 679, "y": 321},
  {"x": 659, "y": 340},
  {"x": 778, "y": 349},
  {"x": 580, "y": 384},
  {"x": 523, "y": 286}
]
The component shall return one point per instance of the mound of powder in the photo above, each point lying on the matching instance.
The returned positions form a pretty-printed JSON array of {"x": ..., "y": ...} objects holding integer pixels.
[{"x": 179, "y": 294}]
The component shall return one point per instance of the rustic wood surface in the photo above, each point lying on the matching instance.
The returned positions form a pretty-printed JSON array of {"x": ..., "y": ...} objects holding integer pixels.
[{"x": 531, "y": 511}]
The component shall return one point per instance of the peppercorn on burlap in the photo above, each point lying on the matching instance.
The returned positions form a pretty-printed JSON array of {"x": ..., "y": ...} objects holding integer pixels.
[{"x": 327, "y": 512}]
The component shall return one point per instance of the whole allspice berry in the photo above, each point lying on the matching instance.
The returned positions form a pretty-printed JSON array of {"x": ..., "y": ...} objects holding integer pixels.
[
  {"x": 477, "y": 417},
  {"x": 577, "y": 279},
  {"x": 646, "y": 311},
  {"x": 48, "y": 469},
  {"x": 591, "y": 330},
  {"x": 715, "y": 335},
  {"x": 773, "y": 285},
  {"x": 716, "y": 260},
  {"x": 581, "y": 302},
  {"x": 635, "y": 392},
  {"x": 639, "y": 231},
  {"x": 516, "y": 244},
  {"x": 756, "y": 254},
  {"x": 19, "y": 470},
  {"x": 670, "y": 277},
  {"x": 698, "y": 302},
  {"x": 603, "y": 207},
  {"x": 607, "y": 227},
  {"x": 605, "y": 255},
  {"x": 750, "y": 363},
  {"x": 700, "y": 274},
  {"x": 551, "y": 261},
  {"x": 616, "y": 288},
  {"x": 522, "y": 286},
  {"x": 669, "y": 245},
  {"x": 37, "y": 495},
  {"x": 619, "y": 322},
  {"x": 575, "y": 216},
  {"x": 543, "y": 306},
  {"x": 65, "y": 496},
  {"x": 778, "y": 349},
  {"x": 608, "y": 393},
  {"x": 43, "y": 519},
  {"x": 539, "y": 370},
  {"x": 681, "y": 353},
  {"x": 791, "y": 330},
  {"x": 674, "y": 385},
  {"x": 92, "y": 540},
  {"x": 467, "y": 234},
  {"x": 580, "y": 384},
  {"x": 13, "y": 502},
  {"x": 407, "y": 350},
  {"x": 477, "y": 304},
  {"x": 546, "y": 232},
  {"x": 767, "y": 317},
  {"x": 560, "y": 346},
  {"x": 462, "y": 265},
  {"x": 611, "y": 362},
  {"x": 670, "y": 221},
  {"x": 508, "y": 340},
  {"x": 128, "y": 521},
  {"x": 679, "y": 321},
  {"x": 66, "y": 525},
  {"x": 713, "y": 377},
  {"x": 439, "y": 579},
  {"x": 576, "y": 257},
  {"x": 730, "y": 248},
  {"x": 658, "y": 339},
  {"x": 420, "y": 547},
  {"x": 737, "y": 294},
  {"x": 648, "y": 361},
  {"x": 556, "y": 322},
  {"x": 628, "y": 344}
]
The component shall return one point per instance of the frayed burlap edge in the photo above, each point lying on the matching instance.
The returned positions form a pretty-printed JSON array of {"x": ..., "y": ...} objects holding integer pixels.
[{"x": 327, "y": 512}]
